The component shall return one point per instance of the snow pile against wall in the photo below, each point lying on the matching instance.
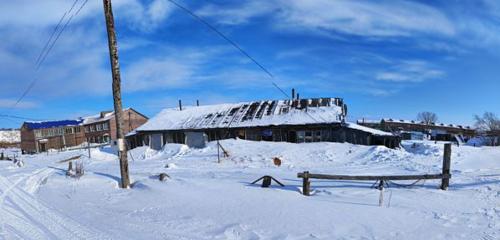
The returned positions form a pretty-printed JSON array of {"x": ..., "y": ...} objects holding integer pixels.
[
  {"x": 247, "y": 114},
  {"x": 10, "y": 136}
]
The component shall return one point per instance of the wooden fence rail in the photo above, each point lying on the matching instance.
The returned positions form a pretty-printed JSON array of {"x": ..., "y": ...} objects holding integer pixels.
[
  {"x": 444, "y": 176},
  {"x": 370, "y": 178}
]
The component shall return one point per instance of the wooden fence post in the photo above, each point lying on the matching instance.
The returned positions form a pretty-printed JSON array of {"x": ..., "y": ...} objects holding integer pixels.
[
  {"x": 445, "y": 181},
  {"x": 70, "y": 168},
  {"x": 306, "y": 184}
]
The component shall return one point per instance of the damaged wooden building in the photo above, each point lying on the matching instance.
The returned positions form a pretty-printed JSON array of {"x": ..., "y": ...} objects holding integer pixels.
[
  {"x": 296, "y": 121},
  {"x": 433, "y": 131}
]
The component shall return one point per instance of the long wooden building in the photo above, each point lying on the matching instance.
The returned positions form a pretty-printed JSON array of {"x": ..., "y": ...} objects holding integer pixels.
[
  {"x": 297, "y": 121},
  {"x": 436, "y": 131}
]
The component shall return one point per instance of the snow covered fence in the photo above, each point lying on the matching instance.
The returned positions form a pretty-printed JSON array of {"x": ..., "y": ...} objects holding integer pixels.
[{"x": 444, "y": 176}]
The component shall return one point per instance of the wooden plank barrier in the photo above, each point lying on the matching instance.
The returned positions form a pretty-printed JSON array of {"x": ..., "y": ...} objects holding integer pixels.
[{"x": 444, "y": 176}]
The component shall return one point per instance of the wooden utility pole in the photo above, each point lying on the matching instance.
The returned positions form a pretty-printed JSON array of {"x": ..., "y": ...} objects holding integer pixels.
[{"x": 115, "y": 70}]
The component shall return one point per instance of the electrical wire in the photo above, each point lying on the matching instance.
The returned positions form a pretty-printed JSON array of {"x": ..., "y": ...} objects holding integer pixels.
[
  {"x": 46, "y": 51},
  {"x": 234, "y": 44},
  {"x": 17, "y": 117}
]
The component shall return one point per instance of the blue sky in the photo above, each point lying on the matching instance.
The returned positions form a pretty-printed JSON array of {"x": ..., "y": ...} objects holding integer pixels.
[{"x": 385, "y": 58}]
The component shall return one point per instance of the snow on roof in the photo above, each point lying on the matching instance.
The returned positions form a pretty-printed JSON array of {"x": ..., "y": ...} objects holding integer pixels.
[
  {"x": 131, "y": 133},
  {"x": 422, "y": 123},
  {"x": 367, "y": 121},
  {"x": 248, "y": 114},
  {"x": 102, "y": 116},
  {"x": 10, "y": 136},
  {"x": 367, "y": 129},
  {"x": 51, "y": 124},
  {"x": 98, "y": 117}
]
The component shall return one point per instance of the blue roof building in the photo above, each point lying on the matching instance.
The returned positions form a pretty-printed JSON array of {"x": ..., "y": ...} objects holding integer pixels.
[{"x": 52, "y": 124}]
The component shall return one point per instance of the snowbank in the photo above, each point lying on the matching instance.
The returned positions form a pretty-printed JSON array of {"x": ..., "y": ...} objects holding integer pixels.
[
  {"x": 204, "y": 199},
  {"x": 10, "y": 136}
]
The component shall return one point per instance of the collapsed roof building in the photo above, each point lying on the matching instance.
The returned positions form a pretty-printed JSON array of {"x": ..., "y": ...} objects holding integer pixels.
[{"x": 296, "y": 121}]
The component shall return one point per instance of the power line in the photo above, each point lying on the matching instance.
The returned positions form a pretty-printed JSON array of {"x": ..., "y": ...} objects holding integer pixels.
[
  {"x": 53, "y": 32},
  {"x": 237, "y": 47},
  {"x": 7, "y": 116},
  {"x": 222, "y": 35},
  {"x": 50, "y": 38},
  {"x": 46, "y": 51},
  {"x": 281, "y": 90},
  {"x": 234, "y": 44},
  {"x": 59, "y": 33}
]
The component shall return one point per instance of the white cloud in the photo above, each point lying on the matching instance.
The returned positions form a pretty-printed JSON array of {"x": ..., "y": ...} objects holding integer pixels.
[
  {"x": 22, "y": 13},
  {"x": 144, "y": 17},
  {"x": 149, "y": 74},
  {"x": 79, "y": 62},
  {"x": 169, "y": 68},
  {"x": 472, "y": 25},
  {"x": 365, "y": 18},
  {"x": 410, "y": 71},
  {"x": 9, "y": 103},
  {"x": 239, "y": 14}
]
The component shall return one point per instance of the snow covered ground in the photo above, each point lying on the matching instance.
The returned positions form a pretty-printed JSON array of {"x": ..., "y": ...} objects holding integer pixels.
[
  {"x": 10, "y": 136},
  {"x": 209, "y": 200}
]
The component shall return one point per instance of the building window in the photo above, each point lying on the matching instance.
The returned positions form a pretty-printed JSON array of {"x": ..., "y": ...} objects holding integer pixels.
[
  {"x": 92, "y": 128},
  {"x": 38, "y": 133},
  {"x": 317, "y": 136},
  {"x": 68, "y": 131},
  {"x": 77, "y": 129},
  {"x": 99, "y": 127},
  {"x": 105, "y": 126},
  {"x": 300, "y": 136},
  {"x": 309, "y": 136}
]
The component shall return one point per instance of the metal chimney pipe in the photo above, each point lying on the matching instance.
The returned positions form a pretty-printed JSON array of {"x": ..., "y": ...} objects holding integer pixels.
[
  {"x": 293, "y": 93},
  {"x": 180, "y": 105},
  {"x": 197, "y": 102}
]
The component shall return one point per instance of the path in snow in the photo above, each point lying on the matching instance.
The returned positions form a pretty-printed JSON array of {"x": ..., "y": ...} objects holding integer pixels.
[{"x": 23, "y": 216}]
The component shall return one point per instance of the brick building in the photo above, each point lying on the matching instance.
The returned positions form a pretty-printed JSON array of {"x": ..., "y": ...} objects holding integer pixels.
[
  {"x": 101, "y": 128},
  {"x": 42, "y": 136}
]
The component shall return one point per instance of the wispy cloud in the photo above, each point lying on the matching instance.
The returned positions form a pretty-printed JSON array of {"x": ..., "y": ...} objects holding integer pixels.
[
  {"x": 78, "y": 64},
  {"x": 410, "y": 71},
  {"x": 463, "y": 24},
  {"x": 8, "y": 103},
  {"x": 143, "y": 17},
  {"x": 365, "y": 18},
  {"x": 237, "y": 14},
  {"x": 162, "y": 73}
]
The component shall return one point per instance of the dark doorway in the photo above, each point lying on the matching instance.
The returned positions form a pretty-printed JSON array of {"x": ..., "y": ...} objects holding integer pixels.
[
  {"x": 292, "y": 136},
  {"x": 42, "y": 147}
]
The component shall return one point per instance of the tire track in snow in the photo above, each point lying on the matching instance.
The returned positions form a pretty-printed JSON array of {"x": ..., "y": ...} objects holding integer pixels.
[
  {"x": 33, "y": 182},
  {"x": 24, "y": 216}
]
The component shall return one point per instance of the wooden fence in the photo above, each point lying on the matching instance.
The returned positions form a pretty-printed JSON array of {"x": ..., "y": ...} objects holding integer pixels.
[{"x": 444, "y": 176}]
